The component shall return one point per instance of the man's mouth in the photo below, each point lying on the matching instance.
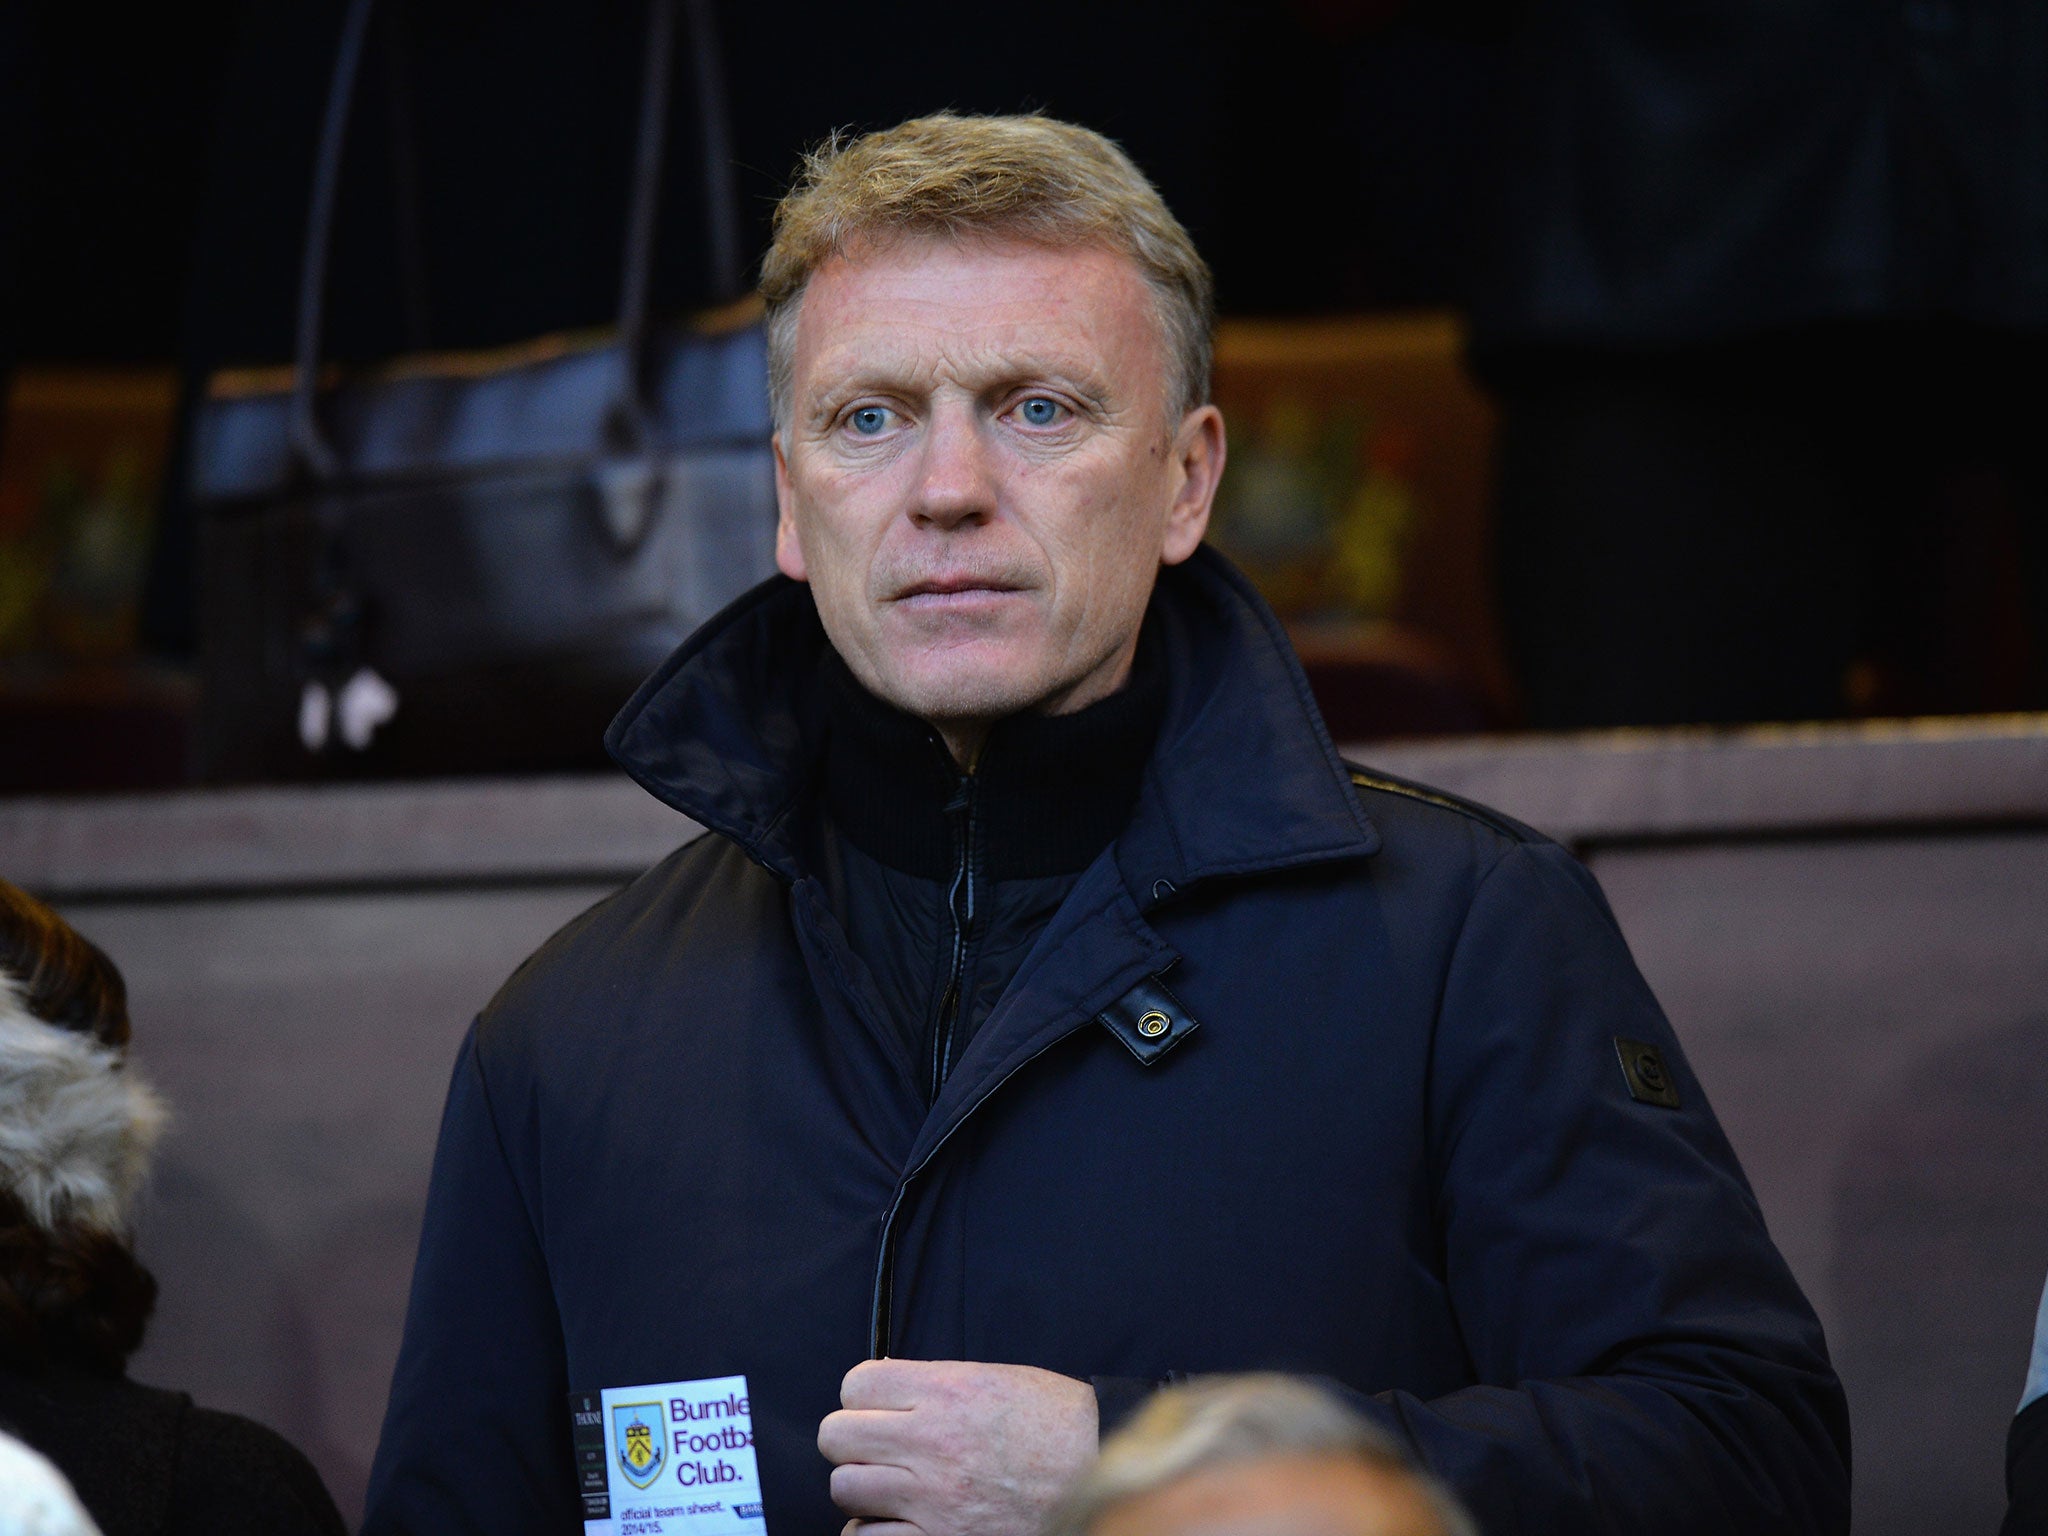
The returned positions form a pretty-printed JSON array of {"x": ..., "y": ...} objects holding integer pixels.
[{"x": 938, "y": 588}]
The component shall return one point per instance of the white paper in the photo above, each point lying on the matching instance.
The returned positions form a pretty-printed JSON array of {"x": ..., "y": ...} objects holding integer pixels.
[{"x": 679, "y": 1460}]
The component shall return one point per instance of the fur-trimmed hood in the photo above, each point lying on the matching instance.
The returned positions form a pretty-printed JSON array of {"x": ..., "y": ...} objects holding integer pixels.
[{"x": 77, "y": 1124}]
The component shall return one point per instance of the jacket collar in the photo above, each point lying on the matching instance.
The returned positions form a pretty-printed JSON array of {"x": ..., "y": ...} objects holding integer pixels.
[
  {"x": 1243, "y": 778},
  {"x": 1052, "y": 791}
]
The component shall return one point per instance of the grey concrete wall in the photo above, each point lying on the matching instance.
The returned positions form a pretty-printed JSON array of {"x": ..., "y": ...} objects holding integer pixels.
[
  {"x": 301, "y": 966},
  {"x": 1845, "y": 926},
  {"x": 304, "y": 1043},
  {"x": 1871, "y": 1021},
  {"x": 1849, "y": 931}
]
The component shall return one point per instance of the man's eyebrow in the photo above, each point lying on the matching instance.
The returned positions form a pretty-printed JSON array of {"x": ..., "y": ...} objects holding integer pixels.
[
  {"x": 865, "y": 379},
  {"x": 1017, "y": 372},
  {"x": 821, "y": 405},
  {"x": 1068, "y": 372},
  {"x": 1088, "y": 383}
]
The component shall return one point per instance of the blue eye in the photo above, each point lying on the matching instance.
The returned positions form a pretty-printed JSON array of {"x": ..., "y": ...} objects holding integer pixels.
[
  {"x": 869, "y": 419},
  {"x": 1039, "y": 411}
]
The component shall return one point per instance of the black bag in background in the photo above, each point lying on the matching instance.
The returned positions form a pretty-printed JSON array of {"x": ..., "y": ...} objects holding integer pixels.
[{"x": 466, "y": 563}]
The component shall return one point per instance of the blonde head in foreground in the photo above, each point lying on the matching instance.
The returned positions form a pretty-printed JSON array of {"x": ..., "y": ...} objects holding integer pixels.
[{"x": 1255, "y": 1456}]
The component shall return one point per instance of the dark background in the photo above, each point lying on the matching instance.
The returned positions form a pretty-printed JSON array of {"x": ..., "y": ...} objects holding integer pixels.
[
  {"x": 1322, "y": 155},
  {"x": 1760, "y": 290},
  {"x": 158, "y": 178}
]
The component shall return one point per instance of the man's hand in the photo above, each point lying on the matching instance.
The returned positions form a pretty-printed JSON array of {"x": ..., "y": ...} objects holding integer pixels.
[{"x": 954, "y": 1447}]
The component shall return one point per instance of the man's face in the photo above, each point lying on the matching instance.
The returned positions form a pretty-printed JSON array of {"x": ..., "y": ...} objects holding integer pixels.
[{"x": 981, "y": 475}]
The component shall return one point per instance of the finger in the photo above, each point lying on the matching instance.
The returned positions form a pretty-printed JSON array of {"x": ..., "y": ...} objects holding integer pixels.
[
  {"x": 873, "y": 1493},
  {"x": 876, "y": 1435},
  {"x": 885, "y": 1384},
  {"x": 880, "y": 1528}
]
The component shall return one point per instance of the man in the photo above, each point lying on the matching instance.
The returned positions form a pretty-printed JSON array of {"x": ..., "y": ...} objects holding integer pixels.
[
  {"x": 1050, "y": 1012},
  {"x": 1254, "y": 1456}
]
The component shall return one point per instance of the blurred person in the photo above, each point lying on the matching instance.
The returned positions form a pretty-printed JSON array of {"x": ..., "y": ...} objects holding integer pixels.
[
  {"x": 2026, "y": 1443},
  {"x": 35, "y": 1498},
  {"x": 1049, "y": 1010},
  {"x": 1257, "y": 1455},
  {"x": 77, "y": 1126}
]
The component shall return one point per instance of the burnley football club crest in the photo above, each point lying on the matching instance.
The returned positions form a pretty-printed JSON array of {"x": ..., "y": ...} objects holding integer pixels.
[{"x": 637, "y": 1435}]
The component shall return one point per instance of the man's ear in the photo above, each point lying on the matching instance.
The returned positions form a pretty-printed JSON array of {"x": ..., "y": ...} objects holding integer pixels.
[
  {"x": 789, "y": 554},
  {"x": 1198, "y": 453}
]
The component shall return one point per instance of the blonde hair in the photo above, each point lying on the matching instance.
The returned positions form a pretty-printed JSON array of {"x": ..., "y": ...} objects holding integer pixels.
[
  {"x": 1219, "y": 1421},
  {"x": 1031, "y": 178}
]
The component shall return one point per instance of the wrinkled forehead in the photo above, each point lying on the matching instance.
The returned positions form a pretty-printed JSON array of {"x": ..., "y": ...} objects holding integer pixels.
[{"x": 979, "y": 301}]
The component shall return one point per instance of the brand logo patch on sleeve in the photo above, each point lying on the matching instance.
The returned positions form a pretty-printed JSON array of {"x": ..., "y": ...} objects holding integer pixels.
[{"x": 1649, "y": 1079}]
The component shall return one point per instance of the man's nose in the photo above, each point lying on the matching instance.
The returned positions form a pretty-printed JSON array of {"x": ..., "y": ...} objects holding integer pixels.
[{"x": 956, "y": 482}]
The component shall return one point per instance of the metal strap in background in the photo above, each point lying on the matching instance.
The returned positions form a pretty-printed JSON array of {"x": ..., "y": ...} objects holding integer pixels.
[
  {"x": 309, "y": 441},
  {"x": 721, "y": 224},
  {"x": 636, "y": 279},
  {"x": 721, "y": 198}
]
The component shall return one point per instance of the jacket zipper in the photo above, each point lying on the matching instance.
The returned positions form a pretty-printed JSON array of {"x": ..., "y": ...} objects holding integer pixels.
[
  {"x": 879, "y": 1320},
  {"x": 962, "y": 898}
]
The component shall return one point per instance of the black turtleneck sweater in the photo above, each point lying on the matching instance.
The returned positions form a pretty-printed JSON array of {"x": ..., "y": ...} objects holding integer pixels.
[{"x": 943, "y": 879}]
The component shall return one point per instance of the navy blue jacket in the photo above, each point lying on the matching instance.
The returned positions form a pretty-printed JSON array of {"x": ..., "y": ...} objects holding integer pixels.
[{"x": 1385, "y": 1138}]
